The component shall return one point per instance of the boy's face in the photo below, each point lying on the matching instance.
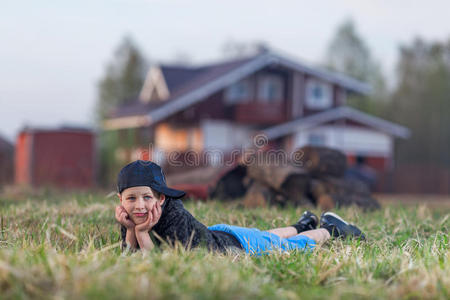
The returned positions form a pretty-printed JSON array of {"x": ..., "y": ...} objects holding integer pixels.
[{"x": 138, "y": 201}]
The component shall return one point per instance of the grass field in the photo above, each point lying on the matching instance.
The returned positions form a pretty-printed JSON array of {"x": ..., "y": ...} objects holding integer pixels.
[{"x": 66, "y": 247}]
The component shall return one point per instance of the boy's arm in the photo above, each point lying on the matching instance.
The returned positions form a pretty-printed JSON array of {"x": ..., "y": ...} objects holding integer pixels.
[
  {"x": 130, "y": 239},
  {"x": 126, "y": 229},
  {"x": 144, "y": 240},
  {"x": 142, "y": 230}
]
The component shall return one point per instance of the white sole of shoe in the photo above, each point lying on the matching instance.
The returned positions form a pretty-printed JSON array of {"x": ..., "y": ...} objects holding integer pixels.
[{"x": 336, "y": 216}]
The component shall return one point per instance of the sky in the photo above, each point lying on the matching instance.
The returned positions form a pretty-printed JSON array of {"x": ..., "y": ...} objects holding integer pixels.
[{"x": 53, "y": 53}]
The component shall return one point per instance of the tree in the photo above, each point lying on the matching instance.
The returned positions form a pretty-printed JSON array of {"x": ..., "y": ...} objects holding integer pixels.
[
  {"x": 123, "y": 78},
  {"x": 421, "y": 101},
  {"x": 121, "y": 84},
  {"x": 348, "y": 53}
]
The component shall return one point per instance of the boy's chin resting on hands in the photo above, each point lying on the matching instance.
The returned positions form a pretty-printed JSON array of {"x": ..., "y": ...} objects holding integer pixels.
[{"x": 139, "y": 211}]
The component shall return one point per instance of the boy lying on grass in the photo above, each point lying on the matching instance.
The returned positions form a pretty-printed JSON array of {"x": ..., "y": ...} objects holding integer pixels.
[{"x": 148, "y": 205}]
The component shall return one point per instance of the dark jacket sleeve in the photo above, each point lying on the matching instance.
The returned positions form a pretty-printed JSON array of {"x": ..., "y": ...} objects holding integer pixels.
[{"x": 177, "y": 224}]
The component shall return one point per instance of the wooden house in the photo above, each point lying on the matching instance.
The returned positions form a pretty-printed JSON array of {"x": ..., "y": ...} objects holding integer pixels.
[{"x": 222, "y": 106}]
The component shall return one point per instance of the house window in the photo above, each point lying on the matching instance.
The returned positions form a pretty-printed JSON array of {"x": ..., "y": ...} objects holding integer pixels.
[
  {"x": 319, "y": 95},
  {"x": 270, "y": 88},
  {"x": 316, "y": 139},
  {"x": 238, "y": 92}
]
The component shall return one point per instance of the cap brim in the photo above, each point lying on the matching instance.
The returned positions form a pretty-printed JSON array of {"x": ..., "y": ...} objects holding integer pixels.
[{"x": 173, "y": 193}]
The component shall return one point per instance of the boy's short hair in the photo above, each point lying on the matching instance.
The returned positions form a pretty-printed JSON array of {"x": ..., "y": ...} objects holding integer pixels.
[
  {"x": 145, "y": 173},
  {"x": 156, "y": 193}
]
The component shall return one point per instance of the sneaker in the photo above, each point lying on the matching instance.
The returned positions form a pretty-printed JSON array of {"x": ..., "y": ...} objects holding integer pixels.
[
  {"x": 308, "y": 221},
  {"x": 337, "y": 227}
]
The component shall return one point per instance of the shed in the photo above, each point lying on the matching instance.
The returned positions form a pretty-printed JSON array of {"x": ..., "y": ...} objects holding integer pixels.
[{"x": 62, "y": 157}]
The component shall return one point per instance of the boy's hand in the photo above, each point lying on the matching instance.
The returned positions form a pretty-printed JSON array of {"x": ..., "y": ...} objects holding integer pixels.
[
  {"x": 123, "y": 218},
  {"x": 152, "y": 219}
]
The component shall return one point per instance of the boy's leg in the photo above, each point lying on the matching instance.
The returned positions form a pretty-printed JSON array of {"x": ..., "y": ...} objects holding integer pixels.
[
  {"x": 330, "y": 222},
  {"x": 320, "y": 235},
  {"x": 284, "y": 232},
  {"x": 338, "y": 227},
  {"x": 308, "y": 221}
]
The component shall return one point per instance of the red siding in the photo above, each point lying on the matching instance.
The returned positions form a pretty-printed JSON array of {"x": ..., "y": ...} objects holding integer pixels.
[
  {"x": 260, "y": 113},
  {"x": 213, "y": 107},
  {"x": 55, "y": 158},
  {"x": 22, "y": 159}
]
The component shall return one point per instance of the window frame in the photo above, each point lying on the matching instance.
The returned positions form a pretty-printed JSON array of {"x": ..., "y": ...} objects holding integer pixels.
[
  {"x": 231, "y": 98},
  {"x": 317, "y": 139},
  {"x": 326, "y": 101},
  {"x": 263, "y": 81}
]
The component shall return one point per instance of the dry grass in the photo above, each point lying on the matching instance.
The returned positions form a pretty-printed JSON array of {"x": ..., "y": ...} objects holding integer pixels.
[{"x": 66, "y": 247}]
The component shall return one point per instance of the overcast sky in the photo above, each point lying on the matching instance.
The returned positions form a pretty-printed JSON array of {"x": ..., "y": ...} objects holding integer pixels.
[{"x": 52, "y": 53}]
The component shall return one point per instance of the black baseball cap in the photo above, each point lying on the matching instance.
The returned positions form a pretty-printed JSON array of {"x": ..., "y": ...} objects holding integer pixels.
[{"x": 145, "y": 173}]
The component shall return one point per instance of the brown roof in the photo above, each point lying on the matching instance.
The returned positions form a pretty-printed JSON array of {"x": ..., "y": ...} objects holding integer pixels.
[
  {"x": 134, "y": 107},
  {"x": 181, "y": 80},
  {"x": 177, "y": 76}
]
